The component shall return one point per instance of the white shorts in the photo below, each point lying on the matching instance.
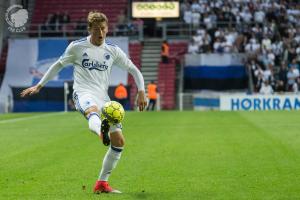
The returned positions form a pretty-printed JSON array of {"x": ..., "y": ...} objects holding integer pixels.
[{"x": 83, "y": 101}]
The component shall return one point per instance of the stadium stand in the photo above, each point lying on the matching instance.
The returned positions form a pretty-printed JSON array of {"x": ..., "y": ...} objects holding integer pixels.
[
  {"x": 166, "y": 84},
  {"x": 135, "y": 49},
  {"x": 178, "y": 49},
  {"x": 267, "y": 31},
  {"x": 77, "y": 10}
]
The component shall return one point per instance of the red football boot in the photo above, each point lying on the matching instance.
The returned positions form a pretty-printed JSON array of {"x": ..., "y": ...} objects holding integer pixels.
[{"x": 103, "y": 187}]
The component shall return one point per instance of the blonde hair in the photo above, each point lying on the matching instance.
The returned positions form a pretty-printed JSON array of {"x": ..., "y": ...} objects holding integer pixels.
[{"x": 95, "y": 17}]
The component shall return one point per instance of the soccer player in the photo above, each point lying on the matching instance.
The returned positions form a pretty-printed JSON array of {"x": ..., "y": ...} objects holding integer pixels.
[{"x": 93, "y": 58}]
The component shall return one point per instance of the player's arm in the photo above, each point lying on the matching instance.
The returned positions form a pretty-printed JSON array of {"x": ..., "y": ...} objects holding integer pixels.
[
  {"x": 139, "y": 80},
  {"x": 124, "y": 62},
  {"x": 65, "y": 59},
  {"x": 52, "y": 71}
]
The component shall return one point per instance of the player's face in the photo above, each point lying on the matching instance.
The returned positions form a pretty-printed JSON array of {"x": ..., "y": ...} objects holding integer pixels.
[{"x": 98, "y": 33}]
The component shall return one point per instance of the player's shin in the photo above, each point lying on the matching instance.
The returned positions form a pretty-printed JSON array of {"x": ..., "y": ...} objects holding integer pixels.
[
  {"x": 94, "y": 122},
  {"x": 110, "y": 161}
]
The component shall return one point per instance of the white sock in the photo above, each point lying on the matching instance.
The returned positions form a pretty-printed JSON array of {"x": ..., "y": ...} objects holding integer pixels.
[
  {"x": 94, "y": 123},
  {"x": 110, "y": 161}
]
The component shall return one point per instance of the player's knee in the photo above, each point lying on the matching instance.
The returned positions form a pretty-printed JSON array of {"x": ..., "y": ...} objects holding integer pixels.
[
  {"x": 90, "y": 110},
  {"x": 121, "y": 142},
  {"x": 94, "y": 122},
  {"x": 95, "y": 126},
  {"x": 118, "y": 141}
]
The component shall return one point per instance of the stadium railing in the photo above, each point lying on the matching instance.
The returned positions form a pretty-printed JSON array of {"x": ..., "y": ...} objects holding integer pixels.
[
  {"x": 167, "y": 29},
  {"x": 71, "y": 30}
]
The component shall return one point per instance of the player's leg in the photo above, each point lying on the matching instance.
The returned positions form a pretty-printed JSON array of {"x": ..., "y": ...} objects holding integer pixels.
[
  {"x": 113, "y": 155},
  {"x": 92, "y": 115},
  {"x": 122, "y": 102},
  {"x": 149, "y": 105},
  {"x": 110, "y": 160},
  {"x": 86, "y": 104},
  {"x": 153, "y": 103},
  {"x": 95, "y": 125}
]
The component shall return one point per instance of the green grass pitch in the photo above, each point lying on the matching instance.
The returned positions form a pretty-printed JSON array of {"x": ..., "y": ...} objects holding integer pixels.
[{"x": 168, "y": 155}]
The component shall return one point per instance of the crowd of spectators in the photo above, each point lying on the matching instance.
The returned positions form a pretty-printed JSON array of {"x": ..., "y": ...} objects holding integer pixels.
[
  {"x": 125, "y": 26},
  {"x": 268, "y": 31},
  {"x": 59, "y": 24},
  {"x": 56, "y": 24}
]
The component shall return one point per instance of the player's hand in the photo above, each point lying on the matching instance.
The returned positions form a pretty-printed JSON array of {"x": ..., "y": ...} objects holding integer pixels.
[
  {"x": 30, "y": 91},
  {"x": 141, "y": 101}
]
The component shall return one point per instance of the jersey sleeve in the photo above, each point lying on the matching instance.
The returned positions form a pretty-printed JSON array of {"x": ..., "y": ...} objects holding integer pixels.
[
  {"x": 68, "y": 56},
  {"x": 51, "y": 72},
  {"x": 125, "y": 63},
  {"x": 122, "y": 60}
]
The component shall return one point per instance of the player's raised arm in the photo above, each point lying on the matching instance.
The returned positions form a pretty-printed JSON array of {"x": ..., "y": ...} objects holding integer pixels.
[
  {"x": 141, "y": 101},
  {"x": 30, "y": 91},
  {"x": 124, "y": 62},
  {"x": 65, "y": 59}
]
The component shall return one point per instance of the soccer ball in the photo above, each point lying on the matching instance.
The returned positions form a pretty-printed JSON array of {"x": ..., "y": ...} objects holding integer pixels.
[{"x": 113, "y": 111}]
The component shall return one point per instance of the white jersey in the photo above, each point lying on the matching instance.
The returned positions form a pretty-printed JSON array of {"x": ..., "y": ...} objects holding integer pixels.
[{"x": 93, "y": 65}]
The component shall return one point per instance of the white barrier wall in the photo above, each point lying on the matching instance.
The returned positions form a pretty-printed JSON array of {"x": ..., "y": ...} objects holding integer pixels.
[
  {"x": 215, "y": 59},
  {"x": 236, "y": 102}
]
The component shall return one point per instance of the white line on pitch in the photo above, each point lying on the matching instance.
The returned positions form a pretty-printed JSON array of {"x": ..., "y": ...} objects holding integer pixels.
[{"x": 28, "y": 118}]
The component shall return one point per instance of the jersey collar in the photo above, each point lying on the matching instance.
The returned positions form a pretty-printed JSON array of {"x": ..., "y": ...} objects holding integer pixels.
[{"x": 89, "y": 41}]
